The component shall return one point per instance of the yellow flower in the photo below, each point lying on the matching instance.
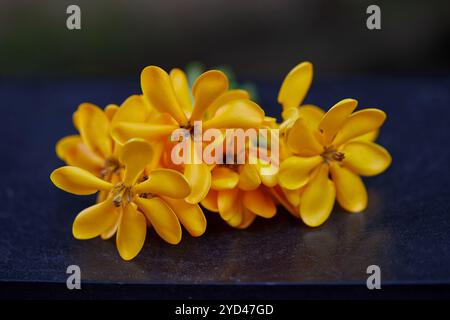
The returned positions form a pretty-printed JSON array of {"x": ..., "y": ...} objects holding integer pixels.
[
  {"x": 132, "y": 201},
  {"x": 337, "y": 144},
  {"x": 211, "y": 102},
  {"x": 93, "y": 149},
  {"x": 240, "y": 192},
  {"x": 291, "y": 95}
]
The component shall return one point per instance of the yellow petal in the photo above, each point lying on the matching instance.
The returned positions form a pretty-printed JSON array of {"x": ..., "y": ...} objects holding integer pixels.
[
  {"x": 293, "y": 196},
  {"x": 312, "y": 114},
  {"x": 228, "y": 203},
  {"x": 289, "y": 117},
  {"x": 111, "y": 231},
  {"x": 366, "y": 158},
  {"x": 131, "y": 232},
  {"x": 158, "y": 149},
  {"x": 249, "y": 178},
  {"x": 318, "y": 198},
  {"x": 74, "y": 152},
  {"x": 223, "y": 178},
  {"x": 93, "y": 125},
  {"x": 78, "y": 181},
  {"x": 76, "y": 120},
  {"x": 110, "y": 110},
  {"x": 259, "y": 203},
  {"x": 124, "y": 131},
  {"x": 101, "y": 196},
  {"x": 267, "y": 171},
  {"x": 296, "y": 85},
  {"x": 350, "y": 190},
  {"x": 279, "y": 194},
  {"x": 236, "y": 114},
  {"x": 199, "y": 178},
  {"x": 157, "y": 88},
  {"x": 333, "y": 120},
  {"x": 162, "y": 218},
  {"x": 295, "y": 172},
  {"x": 207, "y": 88},
  {"x": 368, "y": 137},
  {"x": 247, "y": 218},
  {"x": 165, "y": 182},
  {"x": 359, "y": 123},
  {"x": 190, "y": 215},
  {"x": 135, "y": 155},
  {"x": 238, "y": 216},
  {"x": 117, "y": 150},
  {"x": 134, "y": 109},
  {"x": 301, "y": 140},
  {"x": 181, "y": 87},
  {"x": 210, "y": 201},
  {"x": 270, "y": 122},
  {"x": 226, "y": 97},
  {"x": 65, "y": 145},
  {"x": 269, "y": 180},
  {"x": 93, "y": 221},
  {"x": 162, "y": 118}
]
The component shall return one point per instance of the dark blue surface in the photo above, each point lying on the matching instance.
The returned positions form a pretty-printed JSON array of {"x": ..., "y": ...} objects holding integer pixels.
[{"x": 405, "y": 230}]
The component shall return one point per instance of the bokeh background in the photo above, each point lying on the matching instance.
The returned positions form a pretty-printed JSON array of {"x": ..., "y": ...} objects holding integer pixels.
[{"x": 260, "y": 39}]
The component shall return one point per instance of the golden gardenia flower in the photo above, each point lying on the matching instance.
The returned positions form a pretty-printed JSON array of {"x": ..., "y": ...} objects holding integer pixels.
[
  {"x": 93, "y": 149},
  {"x": 335, "y": 144},
  {"x": 240, "y": 192},
  {"x": 293, "y": 91},
  {"x": 132, "y": 201},
  {"x": 212, "y": 103}
]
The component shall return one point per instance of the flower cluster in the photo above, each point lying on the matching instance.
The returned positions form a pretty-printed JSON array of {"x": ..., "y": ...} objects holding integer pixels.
[{"x": 125, "y": 154}]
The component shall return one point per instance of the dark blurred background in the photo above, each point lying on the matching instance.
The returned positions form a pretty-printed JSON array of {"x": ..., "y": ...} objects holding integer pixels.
[{"x": 258, "y": 39}]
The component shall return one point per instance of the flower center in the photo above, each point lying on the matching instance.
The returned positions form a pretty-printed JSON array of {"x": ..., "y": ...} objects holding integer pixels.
[
  {"x": 330, "y": 155},
  {"x": 121, "y": 194},
  {"x": 187, "y": 126},
  {"x": 111, "y": 166}
]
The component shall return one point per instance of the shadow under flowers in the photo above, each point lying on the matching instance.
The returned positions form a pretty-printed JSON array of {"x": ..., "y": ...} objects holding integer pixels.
[{"x": 276, "y": 250}]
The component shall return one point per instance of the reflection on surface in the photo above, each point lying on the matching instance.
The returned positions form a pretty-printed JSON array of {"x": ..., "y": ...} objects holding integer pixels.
[{"x": 281, "y": 249}]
